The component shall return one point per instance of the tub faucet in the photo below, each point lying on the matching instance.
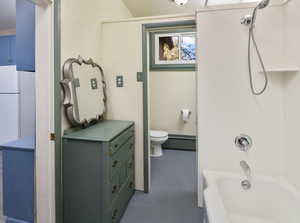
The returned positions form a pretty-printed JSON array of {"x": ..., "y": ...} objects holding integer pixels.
[
  {"x": 246, "y": 184},
  {"x": 243, "y": 142}
]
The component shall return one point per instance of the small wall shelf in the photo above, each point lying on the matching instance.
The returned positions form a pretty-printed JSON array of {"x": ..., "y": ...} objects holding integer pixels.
[{"x": 282, "y": 70}]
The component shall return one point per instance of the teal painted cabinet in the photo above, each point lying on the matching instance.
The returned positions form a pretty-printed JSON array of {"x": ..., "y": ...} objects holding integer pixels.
[
  {"x": 98, "y": 172},
  {"x": 7, "y": 50},
  {"x": 18, "y": 180}
]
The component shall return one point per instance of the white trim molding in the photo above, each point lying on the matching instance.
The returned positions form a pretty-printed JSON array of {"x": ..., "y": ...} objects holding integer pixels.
[
  {"x": 185, "y": 16},
  {"x": 45, "y": 160}
]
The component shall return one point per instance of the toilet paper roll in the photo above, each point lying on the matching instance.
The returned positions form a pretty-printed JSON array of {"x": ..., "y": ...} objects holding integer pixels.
[{"x": 185, "y": 114}]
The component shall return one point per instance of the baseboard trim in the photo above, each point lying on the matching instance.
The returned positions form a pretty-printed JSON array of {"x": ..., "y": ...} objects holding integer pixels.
[{"x": 180, "y": 142}]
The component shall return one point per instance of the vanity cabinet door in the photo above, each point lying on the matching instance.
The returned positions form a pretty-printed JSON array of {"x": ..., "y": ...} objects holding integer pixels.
[{"x": 18, "y": 184}]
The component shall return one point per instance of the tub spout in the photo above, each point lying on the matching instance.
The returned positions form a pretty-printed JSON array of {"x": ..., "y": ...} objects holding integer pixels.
[
  {"x": 246, "y": 169},
  {"x": 246, "y": 184}
]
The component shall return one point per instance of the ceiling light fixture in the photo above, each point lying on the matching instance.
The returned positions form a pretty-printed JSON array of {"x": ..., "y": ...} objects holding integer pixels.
[{"x": 180, "y": 2}]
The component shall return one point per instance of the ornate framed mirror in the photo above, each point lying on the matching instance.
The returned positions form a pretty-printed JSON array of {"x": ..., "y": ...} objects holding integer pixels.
[{"x": 84, "y": 92}]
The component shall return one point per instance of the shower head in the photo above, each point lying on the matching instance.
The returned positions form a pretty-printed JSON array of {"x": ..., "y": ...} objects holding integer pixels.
[
  {"x": 249, "y": 20},
  {"x": 263, "y": 4}
]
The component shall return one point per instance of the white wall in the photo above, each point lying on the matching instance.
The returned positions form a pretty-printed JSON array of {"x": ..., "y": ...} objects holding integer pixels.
[
  {"x": 226, "y": 105},
  {"x": 170, "y": 92},
  {"x": 81, "y": 28},
  {"x": 124, "y": 57},
  {"x": 292, "y": 91}
]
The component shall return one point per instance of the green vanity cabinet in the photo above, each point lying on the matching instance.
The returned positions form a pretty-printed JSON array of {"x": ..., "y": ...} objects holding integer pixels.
[{"x": 98, "y": 172}]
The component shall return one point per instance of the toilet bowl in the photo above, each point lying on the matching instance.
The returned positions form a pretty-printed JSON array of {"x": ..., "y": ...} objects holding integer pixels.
[{"x": 157, "y": 139}]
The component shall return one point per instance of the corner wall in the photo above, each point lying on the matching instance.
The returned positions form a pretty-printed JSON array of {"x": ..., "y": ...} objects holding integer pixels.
[{"x": 291, "y": 18}]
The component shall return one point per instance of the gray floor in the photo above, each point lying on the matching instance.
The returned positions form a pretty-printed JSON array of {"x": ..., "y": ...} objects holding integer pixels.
[
  {"x": 1, "y": 192},
  {"x": 173, "y": 194}
]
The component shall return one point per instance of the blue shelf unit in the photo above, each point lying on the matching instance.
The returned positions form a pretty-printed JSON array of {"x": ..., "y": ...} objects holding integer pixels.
[
  {"x": 7, "y": 50},
  {"x": 18, "y": 180},
  {"x": 19, "y": 49},
  {"x": 25, "y": 32}
]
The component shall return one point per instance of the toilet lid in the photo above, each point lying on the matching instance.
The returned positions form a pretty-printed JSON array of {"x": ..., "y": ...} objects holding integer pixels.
[{"x": 158, "y": 134}]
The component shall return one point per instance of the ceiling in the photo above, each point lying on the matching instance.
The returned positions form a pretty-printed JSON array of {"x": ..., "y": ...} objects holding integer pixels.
[
  {"x": 7, "y": 14},
  {"x": 160, "y": 7},
  {"x": 140, "y": 8}
]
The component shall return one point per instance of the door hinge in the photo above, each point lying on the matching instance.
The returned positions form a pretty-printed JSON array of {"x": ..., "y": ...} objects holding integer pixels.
[
  {"x": 52, "y": 137},
  {"x": 140, "y": 76}
]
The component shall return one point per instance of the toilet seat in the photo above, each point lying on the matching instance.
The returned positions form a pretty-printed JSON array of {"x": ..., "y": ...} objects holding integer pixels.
[{"x": 158, "y": 134}]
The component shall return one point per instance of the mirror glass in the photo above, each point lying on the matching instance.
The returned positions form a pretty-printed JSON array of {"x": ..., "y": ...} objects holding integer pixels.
[{"x": 87, "y": 91}]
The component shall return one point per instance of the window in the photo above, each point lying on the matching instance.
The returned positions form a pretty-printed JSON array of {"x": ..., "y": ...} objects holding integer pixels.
[{"x": 173, "y": 50}]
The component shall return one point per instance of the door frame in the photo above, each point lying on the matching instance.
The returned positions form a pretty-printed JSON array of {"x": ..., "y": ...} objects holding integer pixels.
[
  {"x": 57, "y": 113},
  {"x": 45, "y": 147},
  {"x": 145, "y": 60}
]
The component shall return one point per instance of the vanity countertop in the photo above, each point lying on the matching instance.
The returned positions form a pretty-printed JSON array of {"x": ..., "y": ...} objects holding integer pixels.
[{"x": 103, "y": 131}]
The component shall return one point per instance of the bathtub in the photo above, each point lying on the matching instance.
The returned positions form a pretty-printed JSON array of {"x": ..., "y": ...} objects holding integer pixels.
[{"x": 270, "y": 200}]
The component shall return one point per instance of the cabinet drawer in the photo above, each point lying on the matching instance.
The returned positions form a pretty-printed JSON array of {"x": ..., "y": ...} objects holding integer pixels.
[
  {"x": 116, "y": 215},
  {"x": 117, "y": 143},
  {"x": 130, "y": 168},
  {"x": 130, "y": 148},
  {"x": 115, "y": 186},
  {"x": 120, "y": 204},
  {"x": 118, "y": 161}
]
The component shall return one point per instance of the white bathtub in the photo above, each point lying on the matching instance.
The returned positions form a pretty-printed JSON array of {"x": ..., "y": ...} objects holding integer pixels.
[{"x": 270, "y": 200}]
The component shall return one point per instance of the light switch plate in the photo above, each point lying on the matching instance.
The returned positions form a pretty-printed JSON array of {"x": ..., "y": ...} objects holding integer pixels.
[
  {"x": 94, "y": 84},
  {"x": 120, "y": 81},
  {"x": 139, "y": 76}
]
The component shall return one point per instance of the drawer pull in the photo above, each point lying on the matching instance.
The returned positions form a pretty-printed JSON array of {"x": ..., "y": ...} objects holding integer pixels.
[
  {"x": 114, "y": 190},
  {"x": 131, "y": 184},
  {"x": 115, "y": 163},
  {"x": 114, "y": 215},
  {"x": 131, "y": 146},
  {"x": 130, "y": 165}
]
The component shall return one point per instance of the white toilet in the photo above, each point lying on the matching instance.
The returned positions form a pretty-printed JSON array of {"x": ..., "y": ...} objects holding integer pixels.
[{"x": 157, "y": 139}]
